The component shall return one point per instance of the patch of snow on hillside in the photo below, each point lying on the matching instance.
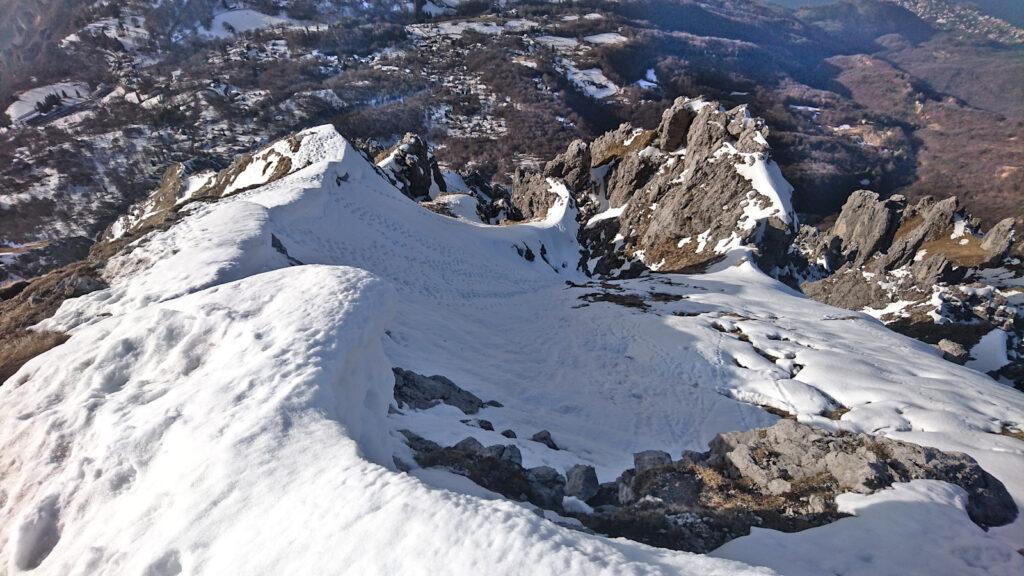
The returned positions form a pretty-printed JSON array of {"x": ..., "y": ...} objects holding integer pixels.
[
  {"x": 591, "y": 82},
  {"x": 769, "y": 182},
  {"x": 990, "y": 352},
  {"x": 880, "y": 538},
  {"x": 558, "y": 43},
  {"x": 606, "y": 38},
  {"x": 227, "y": 24},
  {"x": 70, "y": 92}
]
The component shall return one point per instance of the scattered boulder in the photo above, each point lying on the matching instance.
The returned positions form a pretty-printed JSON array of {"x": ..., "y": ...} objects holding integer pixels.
[
  {"x": 504, "y": 452},
  {"x": 544, "y": 437},
  {"x": 547, "y": 487},
  {"x": 953, "y": 351},
  {"x": 471, "y": 445},
  {"x": 508, "y": 433},
  {"x": 479, "y": 423},
  {"x": 581, "y": 482},
  {"x": 497, "y": 468},
  {"x": 643, "y": 461},
  {"x": 422, "y": 392}
]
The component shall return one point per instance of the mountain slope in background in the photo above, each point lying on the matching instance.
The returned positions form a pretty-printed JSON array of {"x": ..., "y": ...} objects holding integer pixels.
[{"x": 863, "y": 94}]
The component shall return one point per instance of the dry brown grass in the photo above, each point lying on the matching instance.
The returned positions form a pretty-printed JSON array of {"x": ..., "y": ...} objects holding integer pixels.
[
  {"x": 968, "y": 254},
  {"x": 23, "y": 346}
]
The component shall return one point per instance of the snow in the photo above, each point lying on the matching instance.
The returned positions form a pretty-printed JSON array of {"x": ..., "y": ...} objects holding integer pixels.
[
  {"x": 222, "y": 410},
  {"x": 128, "y": 31},
  {"x": 454, "y": 28},
  {"x": 609, "y": 213},
  {"x": 606, "y": 38},
  {"x": 25, "y": 106},
  {"x": 896, "y": 308},
  {"x": 769, "y": 182},
  {"x": 558, "y": 43},
  {"x": 592, "y": 82},
  {"x": 912, "y": 529},
  {"x": 461, "y": 205},
  {"x": 243, "y": 20},
  {"x": 989, "y": 353},
  {"x": 575, "y": 505}
]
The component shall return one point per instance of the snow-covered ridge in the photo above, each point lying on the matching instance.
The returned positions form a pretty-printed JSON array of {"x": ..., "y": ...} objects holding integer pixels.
[{"x": 222, "y": 407}]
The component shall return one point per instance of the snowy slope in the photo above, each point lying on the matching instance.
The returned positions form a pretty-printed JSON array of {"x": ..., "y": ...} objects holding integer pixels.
[{"x": 217, "y": 406}]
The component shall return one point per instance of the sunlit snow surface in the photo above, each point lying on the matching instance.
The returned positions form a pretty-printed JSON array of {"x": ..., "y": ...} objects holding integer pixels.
[{"x": 219, "y": 411}]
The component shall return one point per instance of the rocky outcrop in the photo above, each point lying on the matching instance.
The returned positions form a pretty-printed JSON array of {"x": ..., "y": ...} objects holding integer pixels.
[
  {"x": 784, "y": 477},
  {"x": 413, "y": 168},
  {"x": 421, "y": 392},
  {"x": 704, "y": 202},
  {"x": 531, "y": 194},
  {"x": 925, "y": 269},
  {"x": 675, "y": 125},
  {"x": 778, "y": 459},
  {"x": 497, "y": 468},
  {"x": 672, "y": 199}
]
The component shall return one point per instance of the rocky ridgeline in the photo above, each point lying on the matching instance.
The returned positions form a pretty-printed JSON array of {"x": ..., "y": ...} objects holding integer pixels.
[
  {"x": 673, "y": 199},
  {"x": 682, "y": 196},
  {"x": 784, "y": 477}
]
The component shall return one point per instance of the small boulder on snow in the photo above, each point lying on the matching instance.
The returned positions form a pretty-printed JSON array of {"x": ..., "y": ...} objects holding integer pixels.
[
  {"x": 422, "y": 392},
  {"x": 544, "y": 437},
  {"x": 953, "y": 351}
]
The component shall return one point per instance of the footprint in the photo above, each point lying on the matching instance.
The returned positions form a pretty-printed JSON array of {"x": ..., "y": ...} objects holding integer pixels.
[
  {"x": 38, "y": 533},
  {"x": 168, "y": 564}
]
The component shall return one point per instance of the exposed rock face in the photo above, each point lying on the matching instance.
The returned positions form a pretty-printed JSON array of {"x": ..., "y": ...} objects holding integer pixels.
[
  {"x": 786, "y": 454},
  {"x": 581, "y": 482},
  {"x": 531, "y": 195},
  {"x": 785, "y": 477},
  {"x": 413, "y": 168},
  {"x": 422, "y": 392},
  {"x": 864, "y": 226},
  {"x": 675, "y": 125},
  {"x": 531, "y": 192},
  {"x": 572, "y": 166},
  {"x": 997, "y": 241},
  {"x": 699, "y": 205},
  {"x": 926, "y": 269},
  {"x": 645, "y": 201}
]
